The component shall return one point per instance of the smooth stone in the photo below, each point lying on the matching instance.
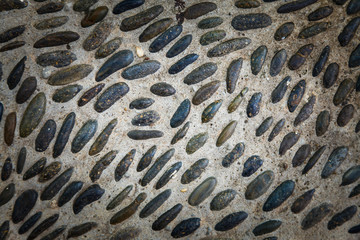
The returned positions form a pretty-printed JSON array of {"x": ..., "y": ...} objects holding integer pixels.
[
  {"x": 205, "y": 92},
  {"x": 57, "y": 39},
  {"x": 349, "y": 31},
  {"x": 50, "y": 7},
  {"x": 202, "y": 191},
  {"x": 58, "y": 59},
  {"x": 16, "y": 74},
  {"x": 279, "y": 92},
  {"x": 296, "y": 95},
  {"x": 267, "y": 227},
  {"x": 199, "y": 9},
  {"x": 228, "y": 46},
  {"x": 7, "y": 194},
  {"x": 83, "y": 5},
  {"x": 5, "y": 227},
  {"x": 351, "y": 175},
  {"x": 253, "y": 107},
  {"x": 181, "y": 113},
  {"x": 196, "y": 142},
  {"x": 315, "y": 216},
  {"x": 186, "y": 227},
  {"x": 69, "y": 192},
  {"x": 235, "y": 103},
  {"x": 337, "y": 156},
  {"x": 284, "y": 31},
  {"x": 301, "y": 155},
  {"x": 295, "y": 6},
  {"x": 65, "y": 94},
  {"x": 7, "y": 6},
  {"x": 162, "y": 89},
  {"x": 201, "y": 73},
  {"x": 247, "y": 4},
  {"x": 231, "y": 221},
  {"x": 128, "y": 211},
  {"x": 168, "y": 175},
  {"x": 12, "y": 33},
  {"x": 26, "y": 89},
  {"x": 126, "y": 233},
  {"x": 355, "y": 191},
  {"x": 258, "y": 58},
  {"x": 194, "y": 171},
  {"x": 244, "y": 22},
  {"x": 210, "y": 111},
  {"x": 288, "y": 142},
  {"x": 12, "y": 46},
  {"x": 183, "y": 63},
  {"x": 83, "y": 136},
  {"x": 343, "y": 91},
  {"x": 233, "y": 155},
  {"x": 70, "y": 75},
  {"x": 94, "y": 16},
  {"x": 320, "y": 63},
  {"x": 124, "y": 164},
  {"x": 90, "y": 94},
  {"x": 116, "y": 62},
  {"x": 155, "y": 203},
  {"x": 222, "y": 199},
  {"x": 211, "y": 37},
  {"x": 181, "y": 133},
  {"x": 277, "y": 62},
  {"x": 331, "y": 74},
  {"x": 210, "y": 22},
  {"x": 233, "y": 73},
  {"x": 165, "y": 38},
  {"x": 101, "y": 165},
  {"x": 28, "y": 224},
  {"x": 299, "y": 58},
  {"x": 251, "y": 165},
  {"x": 103, "y": 138},
  {"x": 259, "y": 185},
  {"x": 141, "y": 103},
  {"x": 50, "y": 171},
  {"x": 305, "y": 111},
  {"x": 353, "y": 7},
  {"x": 179, "y": 46},
  {"x": 155, "y": 29},
  {"x": 277, "y": 129},
  {"x": 64, "y": 134},
  {"x": 313, "y": 159},
  {"x": 127, "y": 5},
  {"x": 118, "y": 199},
  {"x": 141, "y": 19},
  {"x": 302, "y": 201},
  {"x": 144, "y": 134},
  {"x": 162, "y": 221},
  {"x": 341, "y": 217},
  {"x": 345, "y": 115},
  {"x": 23, "y": 205},
  {"x": 55, "y": 186},
  {"x": 81, "y": 229},
  {"x": 7, "y": 169},
  {"x": 35, "y": 169},
  {"x": 320, "y": 13},
  {"x": 51, "y": 23},
  {"x": 9, "y": 128},
  {"x": 99, "y": 34},
  {"x": 110, "y": 96},
  {"x": 314, "y": 30},
  {"x": 141, "y": 70},
  {"x": 322, "y": 123},
  {"x": 43, "y": 226},
  {"x": 279, "y": 195},
  {"x": 89, "y": 195},
  {"x": 264, "y": 126},
  {"x": 226, "y": 133},
  {"x": 108, "y": 48}
]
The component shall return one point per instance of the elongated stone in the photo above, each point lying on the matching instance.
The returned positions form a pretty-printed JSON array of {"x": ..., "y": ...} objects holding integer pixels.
[
  {"x": 147, "y": 118},
  {"x": 320, "y": 13},
  {"x": 199, "y": 9},
  {"x": 222, "y": 199},
  {"x": 90, "y": 94},
  {"x": 179, "y": 46},
  {"x": 284, "y": 31},
  {"x": 146, "y": 159},
  {"x": 357, "y": 127},
  {"x": 305, "y": 111},
  {"x": 196, "y": 142},
  {"x": 50, "y": 171},
  {"x": 259, "y": 185},
  {"x": 299, "y": 58},
  {"x": 279, "y": 195},
  {"x": 7, "y": 169},
  {"x": 4, "y": 230},
  {"x": 83, "y": 5},
  {"x": 43, "y": 226},
  {"x": 7, "y": 6},
  {"x": 258, "y": 58},
  {"x": 99, "y": 34},
  {"x": 354, "y": 59},
  {"x": 355, "y": 191},
  {"x": 228, "y": 46},
  {"x": 141, "y": 19},
  {"x": 355, "y": 229},
  {"x": 21, "y": 160},
  {"x": 313, "y": 160},
  {"x": 50, "y": 23},
  {"x": 58, "y": 59},
  {"x": 231, "y": 221},
  {"x": 180, "y": 134},
  {"x": 277, "y": 62},
  {"x": 54, "y": 234},
  {"x": 103, "y": 138},
  {"x": 124, "y": 164},
  {"x": 141, "y": 70},
  {"x": 183, "y": 63},
  {"x": 127, "y": 5},
  {"x": 118, "y": 199},
  {"x": 314, "y": 30},
  {"x": 253, "y": 107},
  {"x": 33, "y": 115},
  {"x": 167, "y": 217},
  {"x": 226, "y": 133},
  {"x": 320, "y": 63},
  {"x": 30, "y": 223},
  {"x": 250, "y": 21},
  {"x": 23, "y": 205},
  {"x": 337, "y": 156},
  {"x": 277, "y": 129},
  {"x": 35, "y": 169},
  {"x": 247, "y": 4},
  {"x": 157, "y": 166},
  {"x": 155, "y": 29},
  {"x": 69, "y": 192},
  {"x": 81, "y": 229},
  {"x": 110, "y": 96},
  {"x": 128, "y": 211},
  {"x": 301, "y": 155},
  {"x": 70, "y": 74},
  {"x": 168, "y": 175},
  {"x": 55, "y": 186},
  {"x": 7, "y": 194},
  {"x": 126, "y": 233},
  {"x": 9, "y": 128},
  {"x": 266, "y": 227},
  {"x": 295, "y": 6},
  {"x": 155, "y": 203},
  {"x": 210, "y": 111},
  {"x": 351, "y": 175},
  {"x": 233, "y": 74},
  {"x": 212, "y": 36},
  {"x": 210, "y": 22},
  {"x": 202, "y": 191},
  {"x": 302, "y": 201},
  {"x": 12, "y": 46},
  {"x": 316, "y": 215},
  {"x": 264, "y": 126},
  {"x": 201, "y": 73},
  {"x": 251, "y": 165},
  {"x": 194, "y": 171},
  {"x": 94, "y": 16},
  {"x": 83, "y": 136},
  {"x": 144, "y": 134},
  {"x": 349, "y": 31},
  {"x": 16, "y": 74},
  {"x": 353, "y": 7},
  {"x": 233, "y": 155},
  {"x": 162, "y": 89},
  {"x": 186, "y": 227},
  {"x": 26, "y": 89},
  {"x": 331, "y": 75},
  {"x": 116, "y": 62},
  {"x": 341, "y": 217},
  {"x": 141, "y": 103},
  {"x": 296, "y": 95},
  {"x": 180, "y": 114},
  {"x": 89, "y": 195},
  {"x": 108, "y": 48},
  {"x": 57, "y": 39},
  {"x": 345, "y": 115},
  {"x": 322, "y": 123},
  {"x": 344, "y": 89},
  {"x": 50, "y": 7},
  {"x": 280, "y": 90},
  {"x": 65, "y": 94},
  {"x": 64, "y": 134},
  {"x": 288, "y": 142},
  {"x": 101, "y": 165},
  {"x": 12, "y": 33}
]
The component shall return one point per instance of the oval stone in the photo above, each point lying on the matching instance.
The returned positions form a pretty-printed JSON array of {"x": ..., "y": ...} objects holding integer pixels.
[
  {"x": 296, "y": 95},
  {"x": 295, "y": 6},
  {"x": 167, "y": 217},
  {"x": 201, "y": 73},
  {"x": 155, "y": 203},
  {"x": 118, "y": 199},
  {"x": 331, "y": 74},
  {"x": 279, "y": 195},
  {"x": 141, "y": 19},
  {"x": 7, "y": 194},
  {"x": 259, "y": 185},
  {"x": 70, "y": 74},
  {"x": 284, "y": 31},
  {"x": 55, "y": 186},
  {"x": 12, "y": 33},
  {"x": 320, "y": 63},
  {"x": 155, "y": 29},
  {"x": 322, "y": 123},
  {"x": 144, "y": 134},
  {"x": 226, "y": 133},
  {"x": 89, "y": 195},
  {"x": 50, "y": 171},
  {"x": 108, "y": 48},
  {"x": 344, "y": 89},
  {"x": 253, "y": 107},
  {"x": 247, "y": 4},
  {"x": 90, "y": 94},
  {"x": 141, "y": 103},
  {"x": 210, "y": 111},
  {"x": 313, "y": 160},
  {"x": 222, "y": 200},
  {"x": 9, "y": 128},
  {"x": 228, "y": 46},
  {"x": 16, "y": 74},
  {"x": 65, "y": 94},
  {"x": 354, "y": 59},
  {"x": 127, "y": 5},
  {"x": 277, "y": 129},
  {"x": 299, "y": 58},
  {"x": 83, "y": 136},
  {"x": 251, "y": 165},
  {"x": 337, "y": 156},
  {"x": 98, "y": 35},
  {"x": 341, "y": 217},
  {"x": 210, "y": 22},
  {"x": 50, "y": 23},
  {"x": 231, "y": 221},
  {"x": 233, "y": 155},
  {"x": 250, "y": 21},
  {"x": 180, "y": 134},
  {"x": 26, "y": 89},
  {"x": 199, "y": 9},
  {"x": 316, "y": 215},
  {"x": 264, "y": 126},
  {"x": 162, "y": 89},
  {"x": 266, "y": 227},
  {"x": 81, "y": 229},
  {"x": 302, "y": 201},
  {"x": 186, "y": 227},
  {"x": 181, "y": 113},
  {"x": 183, "y": 63},
  {"x": 279, "y": 92},
  {"x": 305, "y": 111},
  {"x": 69, "y": 192},
  {"x": 211, "y": 37},
  {"x": 57, "y": 39},
  {"x": 202, "y": 191},
  {"x": 141, "y": 70},
  {"x": 314, "y": 30},
  {"x": 94, "y": 16},
  {"x": 194, "y": 171},
  {"x": 320, "y": 13},
  {"x": 110, "y": 96},
  {"x": 168, "y": 175},
  {"x": 35, "y": 169},
  {"x": 301, "y": 155},
  {"x": 50, "y": 7},
  {"x": 233, "y": 73},
  {"x": 235, "y": 103},
  {"x": 345, "y": 115},
  {"x": 277, "y": 62},
  {"x": 258, "y": 58},
  {"x": 103, "y": 138},
  {"x": 349, "y": 31},
  {"x": 179, "y": 46},
  {"x": 30, "y": 223},
  {"x": 351, "y": 175},
  {"x": 146, "y": 159},
  {"x": 128, "y": 211},
  {"x": 101, "y": 165},
  {"x": 196, "y": 142},
  {"x": 58, "y": 59},
  {"x": 23, "y": 205},
  {"x": 64, "y": 134}
]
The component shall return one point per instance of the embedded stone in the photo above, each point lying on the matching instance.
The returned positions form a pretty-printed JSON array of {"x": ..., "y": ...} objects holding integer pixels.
[
  {"x": 345, "y": 115},
  {"x": 57, "y": 39},
  {"x": 26, "y": 89},
  {"x": 141, "y": 103},
  {"x": 212, "y": 36},
  {"x": 89, "y": 195},
  {"x": 264, "y": 126},
  {"x": 202, "y": 191},
  {"x": 222, "y": 200},
  {"x": 301, "y": 155},
  {"x": 35, "y": 169},
  {"x": 65, "y": 94},
  {"x": 50, "y": 7},
  {"x": 55, "y": 186},
  {"x": 296, "y": 95},
  {"x": 233, "y": 74},
  {"x": 279, "y": 195},
  {"x": 199, "y": 9},
  {"x": 16, "y": 74},
  {"x": 266, "y": 227},
  {"x": 253, "y": 107},
  {"x": 186, "y": 227},
  {"x": 146, "y": 158},
  {"x": 322, "y": 123},
  {"x": 259, "y": 185},
  {"x": 127, "y": 5},
  {"x": 23, "y": 205},
  {"x": 341, "y": 217},
  {"x": 7, "y": 194},
  {"x": 110, "y": 96},
  {"x": 58, "y": 59},
  {"x": 70, "y": 75},
  {"x": 305, "y": 111},
  {"x": 181, "y": 113},
  {"x": 103, "y": 138},
  {"x": 258, "y": 58},
  {"x": 196, "y": 142},
  {"x": 251, "y": 21},
  {"x": 168, "y": 175},
  {"x": 128, "y": 211},
  {"x": 284, "y": 31},
  {"x": 69, "y": 192},
  {"x": 30, "y": 223},
  {"x": 228, "y": 46},
  {"x": 51, "y": 23},
  {"x": 144, "y": 134},
  {"x": 179, "y": 46},
  {"x": 167, "y": 217},
  {"x": 201, "y": 73},
  {"x": 337, "y": 156},
  {"x": 299, "y": 58},
  {"x": 295, "y": 6},
  {"x": 43, "y": 226},
  {"x": 90, "y": 94},
  {"x": 320, "y": 63},
  {"x": 155, "y": 29},
  {"x": 233, "y": 155},
  {"x": 180, "y": 134},
  {"x": 231, "y": 221},
  {"x": 302, "y": 201},
  {"x": 118, "y": 199},
  {"x": 316, "y": 215},
  {"x": 9, "y": 128},
  {"x": 108, "y": 48},
  {"x": 194, "y": 171},
  {"x": 251, "y": 165},
  {"x": 314, "y": 30},
  {"x": 83, "y": 5},
  {"x": 99, "y": 34},
  {"x": 277, "y": 62},
  {"x": 101, "y": 165},
  {"x": 12, "y": 33},
  {"x": 94, "y": 16},
  {"x": 313, "y": 159},
  {"x": 83, "y": 136},
  {"x": 155, "y": 203},
  {"x": 183, "y": 63},
  {"x": 235, "y": 103},
  {"x": 277, "y": 129},
  {"x": 344, "y": 89},
  {"x": 141, "y": 70},
  {"x": 331, "y": 74},
  {"x": 64, "y": 134},
  {"x": 349, "y": 31},
  {"x": 351, "y": 175},
  {"x": 226, "y": 133},
  {"x": 320, "y": 13},
  {"x": 210, "y": 111},
  {"x": 124, "y": 164},
  {"x": 141, "y": 19},
  {"x": 81, "y": 229},
  {"x": 162, "y": 89},
  {"x": 210, "y": 22}
]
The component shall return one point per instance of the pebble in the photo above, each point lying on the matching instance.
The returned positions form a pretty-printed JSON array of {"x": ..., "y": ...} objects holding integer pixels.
[
  {"x": 233, "y": 155},
  {"x": 65, "y": 94},
  {"x": 162, "y": 89},
  {"x": 141, "y": 70},
  {"x": 7, "y": 6},
  {"x": 81, "y": 229},
  {"x": 320, "y": 13},
  {"x": 141, "y": 19},
  {"x": 264, "y": 126},
  {"x": 344, "y": 89},
  {"x": 4, "y": 228},
  {"x": 295, "y": 6},
  {"x": 196, "y": 142},
  {"x": 301, "y": 155},
  {"x": 70, "y": 75},
  {"x": 331, "y": 74},
  {"x": 337, "y": 156},
  {"x": 9, "y": 128},
  {"x": 231, "y": 221},
  {"x": 58, "y": 59},
  {"x": 43, "y": 226},
  {"x": 83, "y": 5},
  {"x": 244, "y": 22},
  {"x": 84, "y": 135},
  {"x": 351, "y": 175},
  {"x": 50, "y": 7},
  {"x": 253, "y": 107},
  {"x": 226, "y": 133},
  {"x": 12, "y": 46},
  {"x": 302, "y": 201},
  {"x": 35, "y": 169},
  {"x": 299, "y": 58},
  {"x": 345, "y": 115},
  {"x": 155, "y": 29},
  {"x": 179, "y": 46},
  {"x": 341, "y": 217},
  {"x": 54, "y": 234},
  {"x": 316, "y": 215},
  {"x": 57, "y": 39},
  {"x": 7, "y": 194},
  {"x": 144, "y": 134},
  {"x": 23, "y": 205},
  {"x": 258, "y": 58},
  {"x": 354, "y": 59},
  {"x": 7, "y": 169},
  {"x": 267, "y": 227},
  {"x": 99, "y": 34},
  {"x": 127, "y": 5},
  {"x": 186, "y": 227},
  {"x": 180, "y": 134},
  {"x": 355, "y": 191},
  {"x": 94, "y": 16},
  {"x": 101, "y": 165},
  {"x": 110, "y": 96},
  {"x": 28, "y": 224},
  {"x": 69, "y": 192},
  {"x": 102, "y": 138},
  {"x": 235, "y": 103},
  {"x": 210, "y": 111},
  {"x": 284, "y": 31},
  {"x": 228, "y": 46},
  {"x": 199, "y": 9},
  {"x": 124, "y": 164},
  {"x": 251, "y": 165},
  {"x": 168, "y": 175},
  {"x": 222, "y": 199},
  {"x": 146, "y": 158},
  {"x": 211, "y": 37},
  {"x": 314, "y": 30},
  {"x": 349, "y": 31},
  {"x": 277, "y": 62},
  {"x": 201, "y": 73},
  {"x": 247, "y": 4},
  {"x": 194, "y": 171},
  {"x": 128, "y": 211},
  {"x": 108, "y": 48},
  {"x": 305, "y": 111},
  {"x": 118, "y": 199},
  {"x": 183, "y": 63},
  {"x": 64, "y": 134},
  {"x": 126, "y": 233},
  {"x": 181, "y": 113},
  {"x": 210, "y": 22},
  {"x": 155, "y": 203},
  {"x": 202, "y": 191},
  {"x": 165, "y": 38},
  {"x": 51, "y": 23},
  {"x": 353, "y": 7},
  {"x": 322, "y": 123},
  {"x": 12, "y": 33},
  {"x": 320, "y": 63},
  {"x": 296, "y": 95},
  {"x": 162, "y": 221},
  {"x": 141, "y": 103},
  {"x": 277, "y": 129},
  {"x": 16, "y": 74},
  {"x": 279, "y": 195},
  {"x": 89, "y": 195},
  {"x": 55, "y": 186},
  {"x": 233, "y": 74}
]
